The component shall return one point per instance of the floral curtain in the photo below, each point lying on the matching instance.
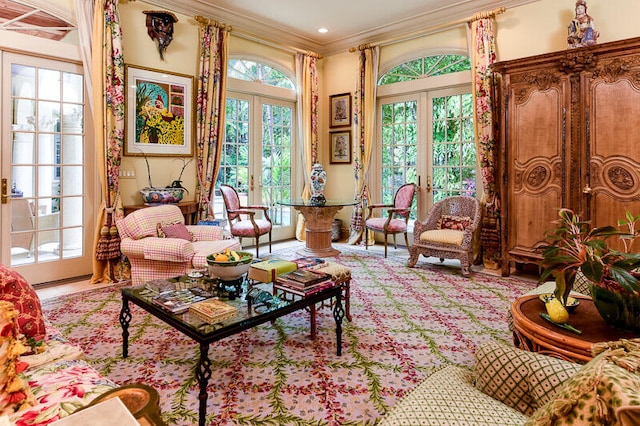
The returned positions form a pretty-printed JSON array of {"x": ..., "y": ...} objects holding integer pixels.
[
  {"x": 483, "y": 55},
  {"x": 307, "y": 84},
  {"x": 364, "y": 119},
  {"x": 109, "y": 115},
  {"x": 210, "y": 111}
]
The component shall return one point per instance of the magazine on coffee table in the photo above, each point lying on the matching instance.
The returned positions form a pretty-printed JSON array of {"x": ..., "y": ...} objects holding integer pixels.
[{"x": 178, "y": 301}]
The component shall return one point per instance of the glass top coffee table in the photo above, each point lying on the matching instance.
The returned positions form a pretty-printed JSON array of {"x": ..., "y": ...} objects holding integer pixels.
[{"x": 249, "y": 315}]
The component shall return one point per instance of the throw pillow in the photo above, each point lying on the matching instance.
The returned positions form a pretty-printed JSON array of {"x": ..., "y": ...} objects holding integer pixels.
[
  {"x": 605, "y": 391},
  {"x": 15, "y": 394},
  {"x": 459, "y": 223},
  {"x": 15, "y": 289},
  {"x": 174, "y": 230}
]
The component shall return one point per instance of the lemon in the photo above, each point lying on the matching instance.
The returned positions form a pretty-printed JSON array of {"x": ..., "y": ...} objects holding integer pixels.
[{"x": 557, "y": 312}]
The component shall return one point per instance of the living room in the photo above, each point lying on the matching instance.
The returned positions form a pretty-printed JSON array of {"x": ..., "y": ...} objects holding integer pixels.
[{"x": 525, "y": 29}]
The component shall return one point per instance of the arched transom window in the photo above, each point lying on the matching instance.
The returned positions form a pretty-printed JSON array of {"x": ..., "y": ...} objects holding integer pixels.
[{"x": 243, "y": 69}]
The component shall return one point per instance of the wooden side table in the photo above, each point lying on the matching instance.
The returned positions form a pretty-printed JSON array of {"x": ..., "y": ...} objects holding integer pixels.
[
  {"x": 535, "y": 334},
  {"x": 188, "y": 209}
]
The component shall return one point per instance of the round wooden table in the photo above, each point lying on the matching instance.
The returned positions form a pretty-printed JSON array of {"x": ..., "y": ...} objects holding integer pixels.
[{"x": 533, "y": 333}]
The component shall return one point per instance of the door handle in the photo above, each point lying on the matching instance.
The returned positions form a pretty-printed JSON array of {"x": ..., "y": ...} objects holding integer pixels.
[
  {"x": 251, "y": 183},
  {"x": 428, "y": 183},
  {"x": 5, "y": 196}
]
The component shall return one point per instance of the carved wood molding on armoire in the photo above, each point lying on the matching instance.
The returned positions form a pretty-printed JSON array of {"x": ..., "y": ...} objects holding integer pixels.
[{"x": 569, "y": 136}]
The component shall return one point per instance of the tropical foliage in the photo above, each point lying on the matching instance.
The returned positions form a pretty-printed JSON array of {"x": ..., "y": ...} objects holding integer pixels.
[{"x": 575, "y": 246}]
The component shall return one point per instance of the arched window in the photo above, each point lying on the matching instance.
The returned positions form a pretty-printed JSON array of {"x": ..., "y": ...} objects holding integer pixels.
[
  {"x": 426, "y": 129},
  {"x": 426, "y": 67},
  {"x": 243, "y": 69}
]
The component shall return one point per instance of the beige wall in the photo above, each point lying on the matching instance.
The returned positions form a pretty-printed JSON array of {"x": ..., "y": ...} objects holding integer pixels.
[{"x": 531, "y": 29}]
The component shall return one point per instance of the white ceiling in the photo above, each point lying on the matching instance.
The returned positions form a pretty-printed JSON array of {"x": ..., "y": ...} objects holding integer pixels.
[{"x": 294, "y": 23}]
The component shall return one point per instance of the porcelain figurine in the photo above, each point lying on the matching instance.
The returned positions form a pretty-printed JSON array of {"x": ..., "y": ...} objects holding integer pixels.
[{"x": 581, "y": 29}]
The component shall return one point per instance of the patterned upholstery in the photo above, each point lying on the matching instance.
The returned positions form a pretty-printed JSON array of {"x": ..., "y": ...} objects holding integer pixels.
[
  {"x": 397, "y": 216},
  {"x": 430, "y": 240},
  {"x": 252, "y": 227},
  {"x": 15, "y": 289},
  {"x": 448, "y": 397},
  {"x": 522, "y": 380},
  {"x": 152, "y": 257}
]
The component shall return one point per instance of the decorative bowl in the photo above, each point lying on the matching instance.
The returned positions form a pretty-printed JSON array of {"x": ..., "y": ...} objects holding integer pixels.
[
  {"x": 153, "y": 196},
  {"x": 232, "y": 269},
  {"x": 572, "y": 302}
]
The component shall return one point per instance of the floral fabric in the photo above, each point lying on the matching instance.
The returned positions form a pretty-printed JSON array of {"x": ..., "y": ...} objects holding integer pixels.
[
  {"x": 210, "y": 110},
  {"x": 15, "y": 289},
  {"x": 458, "y": 223},
  {"x": 483, "y": 56}
]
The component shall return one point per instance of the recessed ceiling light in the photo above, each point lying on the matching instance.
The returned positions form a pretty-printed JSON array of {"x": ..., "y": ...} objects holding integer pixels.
[{"x": 323, "y": 30}]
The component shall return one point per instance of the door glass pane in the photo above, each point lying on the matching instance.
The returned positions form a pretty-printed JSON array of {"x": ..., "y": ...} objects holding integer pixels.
[
  {"x": 399, "y": 149},
  {"x": 46, "y": 165},
  {"x": 276, "y": 161},
  {"x": 454, "y": 151}
]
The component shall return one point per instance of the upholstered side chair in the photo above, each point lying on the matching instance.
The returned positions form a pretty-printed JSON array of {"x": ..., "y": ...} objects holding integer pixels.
[
  {"x": 448, "y": 232},
  {"x": 397, "y": 216},
  {"x": 251, "y": 227}
]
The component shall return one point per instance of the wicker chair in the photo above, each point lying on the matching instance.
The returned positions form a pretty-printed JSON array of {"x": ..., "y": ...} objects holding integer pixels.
[
  {"x": 447, "y": 233},
  {"x": 397, "y": 216}
]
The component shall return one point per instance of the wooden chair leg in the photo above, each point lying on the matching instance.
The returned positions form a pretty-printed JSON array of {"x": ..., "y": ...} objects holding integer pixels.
[
  {"x": 312, "y": 313},
  {"x": 366, "y": 239}
]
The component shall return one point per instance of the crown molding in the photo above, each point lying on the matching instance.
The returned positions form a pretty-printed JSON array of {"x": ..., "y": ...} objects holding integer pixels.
[{"x": 279, "y": 34}]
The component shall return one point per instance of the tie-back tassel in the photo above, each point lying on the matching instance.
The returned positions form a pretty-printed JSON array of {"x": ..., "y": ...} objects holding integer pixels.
[
  {"x": 602, "y": 411},
  {"x": 563, "y": 406}
]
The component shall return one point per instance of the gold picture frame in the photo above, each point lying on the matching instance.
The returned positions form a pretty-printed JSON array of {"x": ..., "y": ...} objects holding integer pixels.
[
  {"x": 159, "y": 119},
  {"x": 340, "y": 110},
  {"x": 340, "y": 142}
]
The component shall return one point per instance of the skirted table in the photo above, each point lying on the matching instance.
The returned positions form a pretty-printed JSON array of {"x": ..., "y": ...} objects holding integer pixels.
[
  {"x": 318, "y": 221},
  {"x": 535, "y": 334}
]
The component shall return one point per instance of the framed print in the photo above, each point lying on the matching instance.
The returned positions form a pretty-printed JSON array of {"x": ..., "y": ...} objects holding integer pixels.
[
  {"x": 340, "y": 110},
  {"x": 340, "y": 146},
  {"x": 159, "y": 113}
]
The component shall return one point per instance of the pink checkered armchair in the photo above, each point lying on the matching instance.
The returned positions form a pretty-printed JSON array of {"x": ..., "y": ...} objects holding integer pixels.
[
  {"x": 447, "y": 232},
  {"x": 159, "y": 245},
  {"x": 397, "y": 216}
]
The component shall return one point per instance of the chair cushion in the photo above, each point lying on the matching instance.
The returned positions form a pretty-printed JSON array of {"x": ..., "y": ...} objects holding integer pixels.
[
  {"x": 244, "y": 228},
  {"x": 174, "y": 230},
  {"x": 144, "y": 222},
  {"x": 443, "y": 236},
  {"x": 605, "y": 391},
  {"x": 459, "y": 223},
  {"x": 448, "y": 397},
  {"x": 395, "y": 226},
  {"x": 15, "y": 289}
]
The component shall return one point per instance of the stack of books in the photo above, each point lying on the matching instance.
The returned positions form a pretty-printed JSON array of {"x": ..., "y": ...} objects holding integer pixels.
[
  {"x": 304, "y": 281},
  {"x": 178, "y": 301},
  {"x": 309, "y": 263},
  {"x": 213, "y": 311},
  {"x": 267, "y": 270}
]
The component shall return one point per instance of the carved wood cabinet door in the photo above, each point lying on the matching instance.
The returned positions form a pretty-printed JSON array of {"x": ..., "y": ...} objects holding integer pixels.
[{"x": 568, "y": 137}]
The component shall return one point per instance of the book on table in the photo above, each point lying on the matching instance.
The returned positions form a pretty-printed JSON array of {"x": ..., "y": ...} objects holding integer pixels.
[
  {"x": 309, "y": 262},
  {"x": 307, "y": 291},
  {"x": 213, "y": 311},
  {"x": 267, "y": 270},
  {"x": 178, "y": 301},
  {"x": 303, "y": 278}
]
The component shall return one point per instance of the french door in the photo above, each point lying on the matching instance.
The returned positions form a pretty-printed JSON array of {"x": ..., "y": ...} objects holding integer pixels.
[
  {"x": 426, "y": 138},
  {"x": 47, "y": 170},
  {"x": 258, "y": 156}
]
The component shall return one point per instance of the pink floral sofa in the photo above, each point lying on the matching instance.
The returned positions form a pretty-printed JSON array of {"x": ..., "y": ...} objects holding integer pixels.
[{"x": 43, "y": 377}]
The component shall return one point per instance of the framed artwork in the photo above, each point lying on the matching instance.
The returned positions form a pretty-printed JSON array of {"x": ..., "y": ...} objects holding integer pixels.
[
  {"x": 340, "y": 110},
  {"x": 340, "y": 146},
  {"x": 159, "y": 118}
]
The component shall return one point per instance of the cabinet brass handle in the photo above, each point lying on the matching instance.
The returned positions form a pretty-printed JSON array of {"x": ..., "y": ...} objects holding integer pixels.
[{"x": 5, "y": 196}]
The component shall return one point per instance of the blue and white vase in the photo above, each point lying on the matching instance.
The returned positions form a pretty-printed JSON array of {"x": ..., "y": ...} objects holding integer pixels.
[{"x": 318, "y": 179}]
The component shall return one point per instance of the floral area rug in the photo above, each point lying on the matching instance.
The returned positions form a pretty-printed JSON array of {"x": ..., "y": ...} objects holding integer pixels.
[{"x": 406, "y": 323}]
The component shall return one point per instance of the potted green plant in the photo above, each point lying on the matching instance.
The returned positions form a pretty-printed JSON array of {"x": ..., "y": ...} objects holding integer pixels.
[{"x": 576, "y": 247}]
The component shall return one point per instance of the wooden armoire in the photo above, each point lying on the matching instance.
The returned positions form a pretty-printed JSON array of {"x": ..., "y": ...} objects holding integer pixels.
[{"x": 569, "y": 136}]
